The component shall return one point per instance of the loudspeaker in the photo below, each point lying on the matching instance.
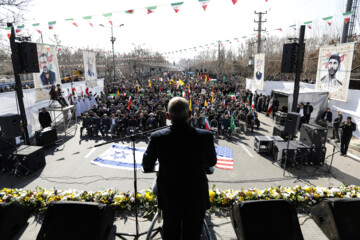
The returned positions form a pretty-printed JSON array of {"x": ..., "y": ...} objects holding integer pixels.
[
  {"x": 317, "y": 156},
  {"x": 10, "y": 125},
  {"x": 13, "y": 218},
  {"x": 28, "y": 58},
  {"x": 292, "y": 123},
  {"x": 279, "y": 131},
  {"x": 265, "y": 219},
  {"x": 281, "y": 151},
  {"x": 32, "y": 157},
  {"x": 46, "y": 137},
  {"x": 288, "y": 63},
  {"x": 280, "y": 118},
  {"x": 7, "y": 144},
  {"x": 313, "y": 135},
  {"x": 338, "y": 218},
  {"x": 74, "y": 220}
]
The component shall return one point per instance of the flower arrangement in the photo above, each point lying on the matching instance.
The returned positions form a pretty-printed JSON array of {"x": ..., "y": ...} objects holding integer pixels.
[{"x": 221, "y": 200}]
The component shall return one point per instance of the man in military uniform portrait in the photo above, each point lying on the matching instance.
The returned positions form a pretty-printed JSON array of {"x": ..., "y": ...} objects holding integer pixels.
[{"x": 329, "y": 81}]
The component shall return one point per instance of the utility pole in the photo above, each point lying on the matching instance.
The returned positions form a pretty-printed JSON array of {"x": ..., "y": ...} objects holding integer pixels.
[
  {"x": 346, "y": 25},
  {"x": 112, "y": 40},
  {"x": 259, "y": 30},
  {"x": 299, "y": 66}
]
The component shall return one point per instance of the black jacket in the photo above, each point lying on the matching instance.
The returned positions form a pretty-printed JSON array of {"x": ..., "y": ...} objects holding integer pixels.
[
  {"x": 347, "y": 130},
  {"x": 338, "y": 121},
  {"x": 184, "y": 154},
  {"x": 306, "y": 109},
  {"x": 329, "y": 116},
  {"x": 44, "y": 119}
]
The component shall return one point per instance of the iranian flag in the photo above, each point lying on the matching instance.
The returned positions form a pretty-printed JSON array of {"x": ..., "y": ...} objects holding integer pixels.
[
  {"x": 280, "y": 29},
  {"x": 72, "y": 21},
  {"x": 204, "y": 3},
  {"x": 87, "y": 91},
  {"x": 129, "y": 103},
  {"x": 108, "y": 16},
  {"x": 308, "y": 24},
  {"x": 89, "y": 20},
  {"x": 8, "y": 29},
  {"x": 293, "y": 26},
  {"x": 253, "y": 101},
  {"x": 248, "y": 99},
  {"x": 177, "y": 6},
  {"x": 151, "y": 9},
  {"x": 52, "y": 24},
  {"x": 347, "y": 16},
  {"x": 232, "y": 96},
  {"x": 234, "y": 1},
  {"x": 232, "y": 123},
  {"x": 270, "y": 108},
  {"x": 328, "y": 20},
  {"x": 36, "y": 26},
  {"x": 207, "y": 124},
  {"x": 131, "y": 11},
  {"x": 19, "y": 28}
]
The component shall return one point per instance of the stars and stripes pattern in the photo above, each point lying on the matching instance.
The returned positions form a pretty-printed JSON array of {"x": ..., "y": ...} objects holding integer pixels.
[{"x": 224, "y": 158}]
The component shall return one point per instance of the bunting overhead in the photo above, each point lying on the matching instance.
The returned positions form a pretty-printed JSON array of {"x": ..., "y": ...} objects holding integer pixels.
[{"x": 204, "y": 3}]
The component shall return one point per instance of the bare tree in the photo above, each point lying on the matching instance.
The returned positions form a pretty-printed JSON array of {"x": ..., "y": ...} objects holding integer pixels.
[{"x": 12, "y": 10}]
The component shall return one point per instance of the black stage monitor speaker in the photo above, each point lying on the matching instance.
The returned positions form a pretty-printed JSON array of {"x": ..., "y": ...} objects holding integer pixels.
[
  {"x": 32, "y": 157},
  {"x": 288, "y": 63},
  {"x": 74, "y": 220},
  {"x": 28, "y": 57},
  {"x": 13, "y": 218},
  {"x": 10, "y": 125},
  {"x": 46, "y": 137},
  {"x": 292, "y": 123},
  {"x": 265, "y": 219},
  {"x": 338, "y": 218},
  {"x": 313, "y": 135}
]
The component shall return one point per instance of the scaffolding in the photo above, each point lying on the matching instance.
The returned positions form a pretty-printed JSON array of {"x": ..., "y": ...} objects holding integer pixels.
[{"x": 64, "y": 119}]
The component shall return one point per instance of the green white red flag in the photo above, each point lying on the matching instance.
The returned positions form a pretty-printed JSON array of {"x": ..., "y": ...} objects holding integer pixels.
[
  {"x": 8, "y": 29},
  {"x": 108, "y": 16},
  {"x": 234, "y": 1},
  {"x": 89, "y": 20},
  {"x": 52, "y": 24},
  {"x": 177, "y": 6},
  {"x": 131, "y": 11},
  {"x": 308, "y": 24},
  {"x": 19, "y": 28},
  {"x": 293, "y": 26},
  {"x": 72, "y": 21},
  {"x": 347, "y": 16},
  {"x": 328, "y": 20},
  {"x": 151, "y": 9},
  {"x": 36, "y": 26},
  {"x": 204, "y": 3}
]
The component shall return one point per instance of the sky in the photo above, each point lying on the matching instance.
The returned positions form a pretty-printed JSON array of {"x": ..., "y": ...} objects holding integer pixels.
[{"x": 167, "y": 31}]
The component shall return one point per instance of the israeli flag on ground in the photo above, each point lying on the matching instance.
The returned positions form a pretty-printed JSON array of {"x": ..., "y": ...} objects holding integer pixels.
[{"x": 121, "y": 157}]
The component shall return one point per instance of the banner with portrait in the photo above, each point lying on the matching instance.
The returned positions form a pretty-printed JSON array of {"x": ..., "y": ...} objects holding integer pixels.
[
  {"x": 90, "y": 68},
  {"x": 49, "y": 71},
  {"x": 334, "y": 69},
  {"x": 259, "y": 71}
]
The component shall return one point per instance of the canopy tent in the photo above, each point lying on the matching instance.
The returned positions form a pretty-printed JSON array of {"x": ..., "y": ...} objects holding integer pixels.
[
  {"x": 9, "y": 101},
  {"x": 307, "y": 94}
]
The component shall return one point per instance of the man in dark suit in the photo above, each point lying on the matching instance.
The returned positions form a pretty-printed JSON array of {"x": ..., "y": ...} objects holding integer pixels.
[
  {"x": 184, "y": 153},
  {"x": 307, "y": 112},
  {"x": 347, "y": 128},
  {"x": 325, "y": 119},
  {"x": 86, "y": 124},
  {"x": 336, "y": 126},
  {"x": 44, "y": 118}
]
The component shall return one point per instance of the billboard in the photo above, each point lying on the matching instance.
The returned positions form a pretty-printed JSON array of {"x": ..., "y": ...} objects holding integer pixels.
[
  {"x": 90, "y": 68},
  {"x": 49, "y": 71},
  {"x": 334, "y": 69},
  {"x": 259, "y": 71}
]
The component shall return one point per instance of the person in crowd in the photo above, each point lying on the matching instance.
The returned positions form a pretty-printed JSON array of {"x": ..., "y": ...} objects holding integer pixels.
[
  {"x": 56, "y": 95},
  {"x": 132, "y": 125},
  {"x": 301, "y": 111},
  {"x": 86, "y": 124},
  {"x": 95, "y": 125},
  {"x": 183, "y": 217},
  {"x": 336, "y": 126},
  {"x": 151, "y": 123},
  {"x": 275, "y": 106},
  {"x": 114, "y": 124},
  {"x": 308, "y": 109},
  {"x": 347, "y": 127},
  {"x": 105, "y": 125},
  {"x": 325, "y": 118},
  {"x": 44, "y": 118},
  {"x": 252, "y": 119},
  {"x": 225, "y": 125}
]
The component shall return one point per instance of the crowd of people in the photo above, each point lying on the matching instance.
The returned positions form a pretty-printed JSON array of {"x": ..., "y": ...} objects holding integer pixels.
[{"x": 139, "y": 103}]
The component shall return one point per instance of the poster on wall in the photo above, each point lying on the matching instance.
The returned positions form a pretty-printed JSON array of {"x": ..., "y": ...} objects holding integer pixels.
[
  {"x": 49, "y": 71},
  {"x": 90, "y": 68},
  {"x": 334, "y": 69},
  {"x": 259, "y": 71}
]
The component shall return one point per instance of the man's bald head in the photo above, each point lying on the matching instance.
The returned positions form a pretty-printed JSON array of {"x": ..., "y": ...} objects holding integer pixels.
[{"x": 178, "y": 110}]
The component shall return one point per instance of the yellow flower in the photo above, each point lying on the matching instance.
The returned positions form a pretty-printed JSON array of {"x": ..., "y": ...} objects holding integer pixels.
[
  {"x": 26, "y": 199},
  {"x": 211, "y": 193},
  {"x": 150, "y": 198}
]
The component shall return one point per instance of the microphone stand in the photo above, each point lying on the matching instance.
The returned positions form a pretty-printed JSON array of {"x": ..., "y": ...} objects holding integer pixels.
[{"x": 132, "y": 137}]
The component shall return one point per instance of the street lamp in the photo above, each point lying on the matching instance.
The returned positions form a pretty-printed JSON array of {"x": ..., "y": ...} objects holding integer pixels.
[
  {"x": 138, "y": 48},
  {"x": 112, "y": 40}
]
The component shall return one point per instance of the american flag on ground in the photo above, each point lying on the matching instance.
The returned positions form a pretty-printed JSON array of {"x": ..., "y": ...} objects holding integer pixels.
[{"x": 224, "y": 157}]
